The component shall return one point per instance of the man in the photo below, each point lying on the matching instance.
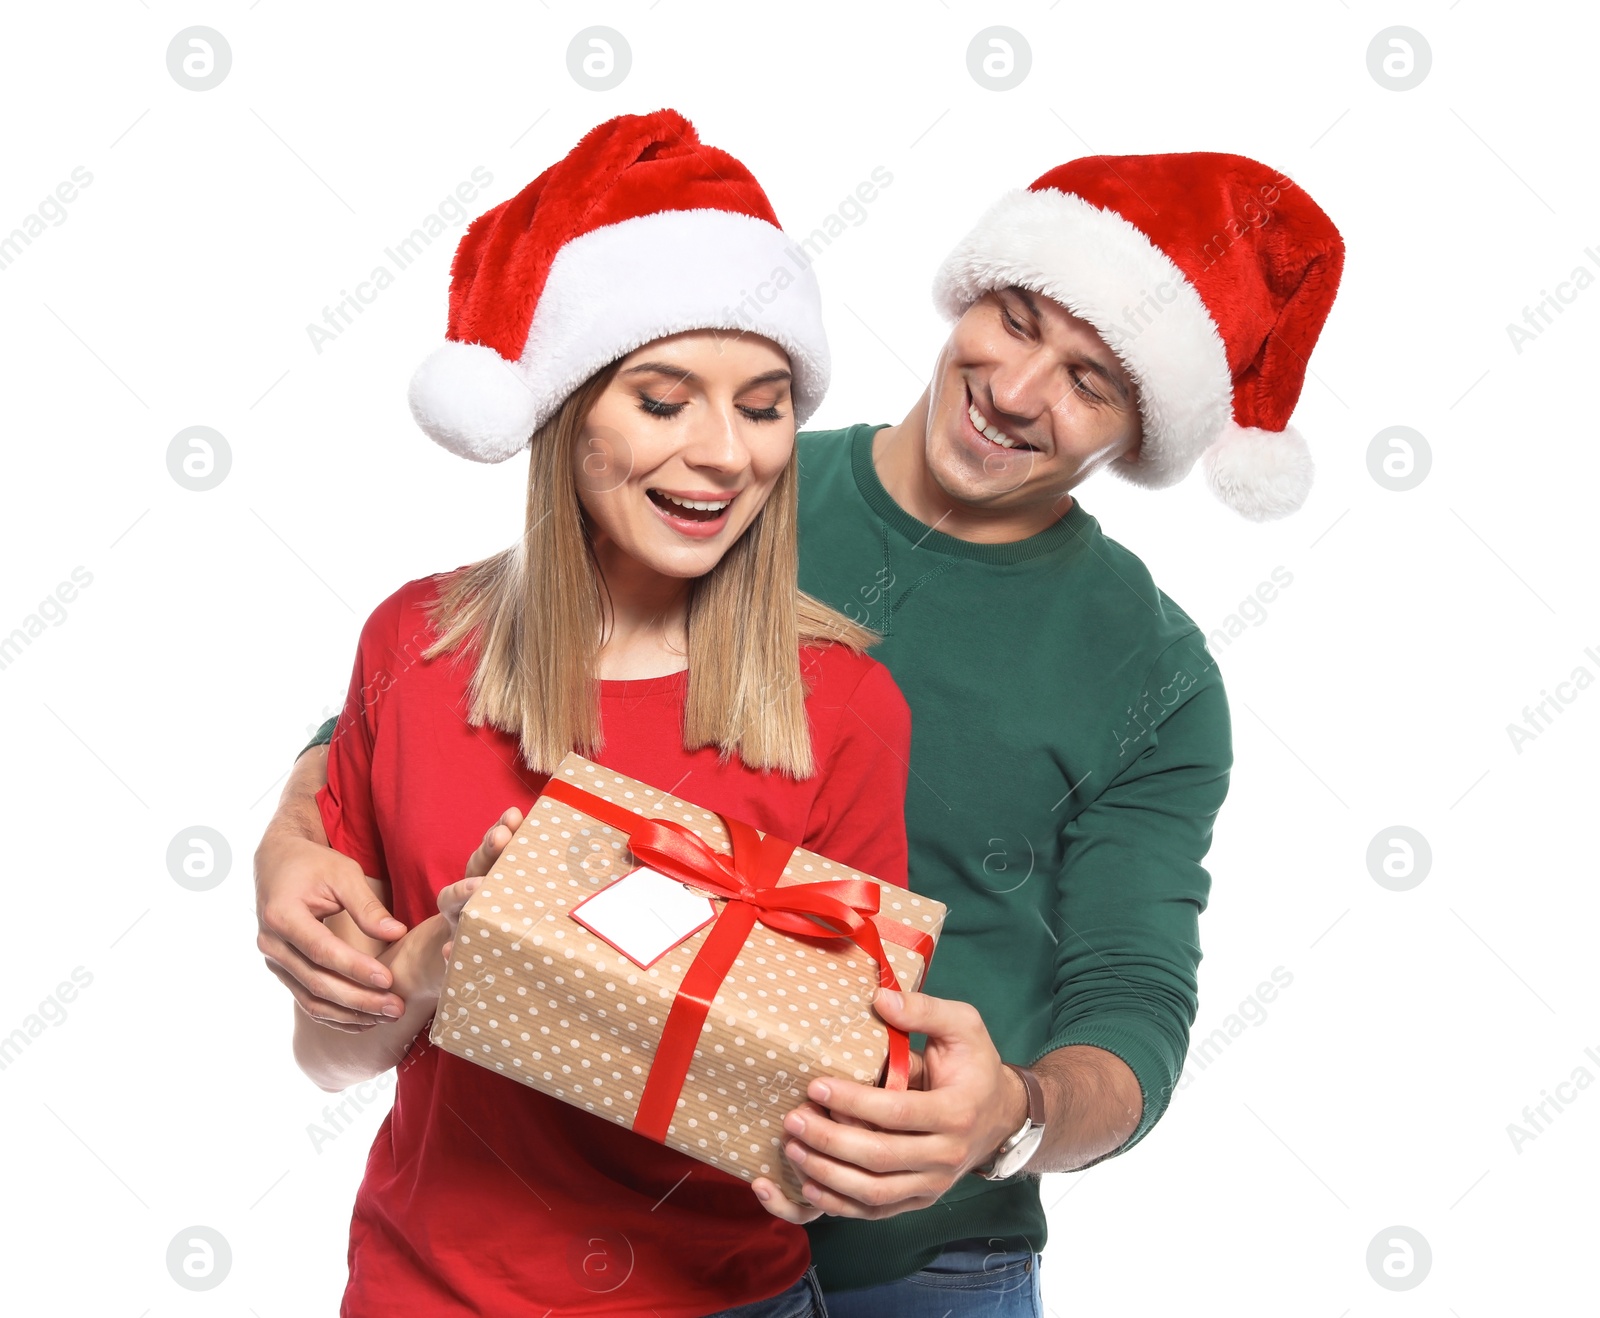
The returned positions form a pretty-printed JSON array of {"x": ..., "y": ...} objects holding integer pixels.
[{"x": 1071, "y": 741}]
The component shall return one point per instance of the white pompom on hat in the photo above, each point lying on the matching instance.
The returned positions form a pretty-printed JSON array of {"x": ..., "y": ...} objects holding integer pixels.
[{"x": 639, "y": 232}]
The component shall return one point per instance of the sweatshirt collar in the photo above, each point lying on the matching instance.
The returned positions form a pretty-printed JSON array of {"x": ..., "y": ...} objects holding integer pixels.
[{"x": 1066, "y": 536}]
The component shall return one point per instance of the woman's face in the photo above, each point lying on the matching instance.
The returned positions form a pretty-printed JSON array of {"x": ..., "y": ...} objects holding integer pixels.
[{"x": 681, "y": 450}]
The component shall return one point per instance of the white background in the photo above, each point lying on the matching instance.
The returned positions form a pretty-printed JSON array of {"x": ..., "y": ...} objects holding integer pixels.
[{"x": 220, "y": 625}]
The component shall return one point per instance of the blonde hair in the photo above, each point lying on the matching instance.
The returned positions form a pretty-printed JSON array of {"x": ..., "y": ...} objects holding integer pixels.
[{"x": 536, "y": 614}]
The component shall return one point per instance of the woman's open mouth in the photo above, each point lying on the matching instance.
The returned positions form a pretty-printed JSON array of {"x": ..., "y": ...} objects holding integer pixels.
[{"x": 700, "y": 515}]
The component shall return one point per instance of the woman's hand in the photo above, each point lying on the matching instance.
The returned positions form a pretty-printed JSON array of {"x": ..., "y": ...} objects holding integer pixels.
[
  {"x": 451, "y": 901},
  {"x": 494, "y": 842},
  {"x": 336, "y": 1058},
  {"x": 454, "y": 898}
]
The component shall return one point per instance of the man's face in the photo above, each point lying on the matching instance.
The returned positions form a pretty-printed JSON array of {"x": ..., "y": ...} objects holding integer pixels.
[{"x": 1027, "y": 400}]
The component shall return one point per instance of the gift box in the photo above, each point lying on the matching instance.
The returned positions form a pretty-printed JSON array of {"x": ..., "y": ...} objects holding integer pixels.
[{"x": 678, "y": 973}]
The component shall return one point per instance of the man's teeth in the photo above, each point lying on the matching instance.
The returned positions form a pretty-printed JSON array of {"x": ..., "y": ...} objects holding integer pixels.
[
  {"x": 699, "y": 505},
  {"x": 991, "y": 433}
]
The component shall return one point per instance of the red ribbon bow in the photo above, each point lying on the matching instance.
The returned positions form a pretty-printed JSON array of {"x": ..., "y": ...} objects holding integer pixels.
[{"x": 747, "y": 881}]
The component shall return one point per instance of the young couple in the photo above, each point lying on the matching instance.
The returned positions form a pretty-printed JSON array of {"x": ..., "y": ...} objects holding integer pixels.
[{"x": 1055, "y": 782}]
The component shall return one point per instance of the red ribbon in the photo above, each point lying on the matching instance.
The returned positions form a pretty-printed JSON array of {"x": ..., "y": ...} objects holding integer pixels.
[{"x": 748, "y": 882}]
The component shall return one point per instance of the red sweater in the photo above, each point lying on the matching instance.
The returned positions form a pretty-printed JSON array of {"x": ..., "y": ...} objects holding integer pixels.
[{"x": 482, "y": 1196}]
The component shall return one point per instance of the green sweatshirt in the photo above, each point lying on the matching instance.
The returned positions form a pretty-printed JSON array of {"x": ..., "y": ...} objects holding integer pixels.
[{"x": 1070, "y": 749}]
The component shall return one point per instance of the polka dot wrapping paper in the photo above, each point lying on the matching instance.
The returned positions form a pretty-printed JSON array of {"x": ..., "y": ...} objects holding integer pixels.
[{"x": 533, "y": 994}]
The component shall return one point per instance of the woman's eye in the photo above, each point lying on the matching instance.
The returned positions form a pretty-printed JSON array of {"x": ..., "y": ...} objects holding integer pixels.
[
  {"x": 659, "y": 406},
  {"x": 761, "y": 413}
]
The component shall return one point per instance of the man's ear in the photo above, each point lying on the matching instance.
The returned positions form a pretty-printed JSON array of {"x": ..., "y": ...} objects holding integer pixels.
[{"x": 1131, "y": 452}]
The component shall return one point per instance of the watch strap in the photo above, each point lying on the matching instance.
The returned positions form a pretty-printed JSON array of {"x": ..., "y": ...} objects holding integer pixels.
[
  {"x": 1030, "y": 1082},
  {"x": 1035, "y": 1121}
]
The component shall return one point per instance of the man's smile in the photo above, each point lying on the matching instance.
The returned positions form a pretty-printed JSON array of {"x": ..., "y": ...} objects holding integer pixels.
[{"x": 987, "y": 430}]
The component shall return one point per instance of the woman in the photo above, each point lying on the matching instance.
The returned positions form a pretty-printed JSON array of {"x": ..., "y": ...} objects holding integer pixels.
[{"x": 649, "y": 619}]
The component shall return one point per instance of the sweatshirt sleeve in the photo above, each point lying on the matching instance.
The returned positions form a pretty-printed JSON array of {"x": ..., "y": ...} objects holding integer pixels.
[
  {"x": 1132, "y": 886},
  {"x": 858, "y": 816},
  {"x": 321, "y": 737},
  {"x": 345, "y": 801}
]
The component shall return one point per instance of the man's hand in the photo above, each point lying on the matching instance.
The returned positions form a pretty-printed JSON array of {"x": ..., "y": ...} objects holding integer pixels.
[
  {"x": 298, "y": 885},
  {"x": 300, "y": 881},
  {"x": 870, "y": 1152},
  {"x": 771, "y": 1194},
  {"x": 776, "y": 1202}
]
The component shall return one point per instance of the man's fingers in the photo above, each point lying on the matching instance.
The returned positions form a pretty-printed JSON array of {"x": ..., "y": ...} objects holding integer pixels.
[
  {"x": 296, "y": 929},
  {"x": 887, "y": 1109},
  {"x": 805, "y": 1111},
  {"x": 921, "y": 1013},
  {"x": 372, "y": 917},
  {"x": 835, "y": 1204},
  {"x": 808, "y": 1110},
  {"x": 917, "y": 1077},
  {"x": 337, "y": 986},
  {"x": 865, "y": 1146},
  {"x": 776, "y": 1202},
  {"x": 311, "y": 985},
  {"x": 325, "y": 1013},
  {"x": 846, "y": 1190},
  {"x": 852, "y": 1170}
]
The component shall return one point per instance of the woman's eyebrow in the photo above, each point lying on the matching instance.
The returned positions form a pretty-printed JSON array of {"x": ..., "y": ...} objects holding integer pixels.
[
  {"x": 768, "y": 377},
  {"x": 686, "y": 376},
  {"x": 662, "y": 368}
]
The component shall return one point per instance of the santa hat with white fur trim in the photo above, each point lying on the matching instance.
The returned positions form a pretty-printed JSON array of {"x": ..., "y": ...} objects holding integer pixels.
[
  {"x": 1208, "y": 275},
  {"x": 641, "y": 231}
]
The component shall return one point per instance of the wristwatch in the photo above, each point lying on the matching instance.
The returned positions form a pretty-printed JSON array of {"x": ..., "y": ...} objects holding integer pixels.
[{"x": 1012, "y": 1156}]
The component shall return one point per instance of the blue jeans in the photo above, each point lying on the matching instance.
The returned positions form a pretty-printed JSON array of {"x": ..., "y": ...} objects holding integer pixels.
[
  {"x": 802, "y": 1300},
  {"x": 969, "y": 1279}
]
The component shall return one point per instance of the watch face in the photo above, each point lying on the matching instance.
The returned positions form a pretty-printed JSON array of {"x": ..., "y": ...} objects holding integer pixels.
[{"x": 1013, "y": 1160}]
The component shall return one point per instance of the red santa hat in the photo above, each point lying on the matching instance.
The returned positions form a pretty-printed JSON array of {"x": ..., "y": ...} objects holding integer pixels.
[
  {"x": 1208, "y": 275},
  {"x": 640, "y": 232}
]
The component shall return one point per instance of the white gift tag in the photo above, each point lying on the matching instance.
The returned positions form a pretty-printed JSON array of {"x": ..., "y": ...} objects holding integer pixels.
[{"x": 645, "y": 915}]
